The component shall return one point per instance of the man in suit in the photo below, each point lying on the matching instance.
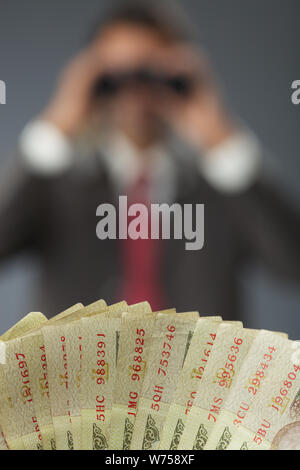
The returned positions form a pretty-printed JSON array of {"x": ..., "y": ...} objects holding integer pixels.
[{"x": 109, "y": 130}]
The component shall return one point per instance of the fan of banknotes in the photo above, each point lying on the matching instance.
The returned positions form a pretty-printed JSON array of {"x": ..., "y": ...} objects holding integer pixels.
[{"x": 125, "y": 378}]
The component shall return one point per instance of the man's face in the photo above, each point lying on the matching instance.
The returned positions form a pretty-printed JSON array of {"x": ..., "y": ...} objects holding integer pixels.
[{"x": 133, "y": 108}]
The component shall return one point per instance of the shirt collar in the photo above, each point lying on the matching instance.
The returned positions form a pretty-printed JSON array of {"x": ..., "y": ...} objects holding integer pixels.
[{"x": 125, "y": 165}]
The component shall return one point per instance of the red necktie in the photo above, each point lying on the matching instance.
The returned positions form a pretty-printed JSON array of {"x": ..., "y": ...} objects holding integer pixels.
[{"x": 141, "y": 258}]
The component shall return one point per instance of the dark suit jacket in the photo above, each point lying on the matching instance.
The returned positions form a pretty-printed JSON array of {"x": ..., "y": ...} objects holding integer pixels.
[{"x": 56, "y": 219}]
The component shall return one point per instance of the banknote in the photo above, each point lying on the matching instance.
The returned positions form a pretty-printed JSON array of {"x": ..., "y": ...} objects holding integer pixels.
[
  {"x": 95, "y": 434},
  {"x": 77, "y": 339},
  {"x": 230, "y": 348},
  {"x": 141, "y": 308},
  {"x": 192, "y": 372},
  {"x": 35, "y": 352},
  {"x": 257, "y": 366},
  {"x": 98, "y": 378},
  {"x": 170, "y": 341},
  {"x": 135, "y": 336},
  {"x": 15, "y": 347},
  {"x": 29, "y": 322},
  {"x": 18, "y": 419},
  {"x": 13, "y": 337},
  {"x": 273, "y": 420}
]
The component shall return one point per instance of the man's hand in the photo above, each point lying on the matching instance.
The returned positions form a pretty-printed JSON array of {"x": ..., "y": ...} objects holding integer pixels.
[
  {"x": 72, "y": 102},
  {"x": 201, "y": 117}
]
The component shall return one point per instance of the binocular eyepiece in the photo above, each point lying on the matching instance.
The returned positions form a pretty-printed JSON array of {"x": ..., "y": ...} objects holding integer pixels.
[{"x": 110, "y": 84}]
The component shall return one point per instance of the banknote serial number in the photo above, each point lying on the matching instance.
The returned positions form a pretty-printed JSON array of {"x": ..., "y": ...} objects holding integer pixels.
[
  {"x": 137, "y": 369},
  {"x": 43, "y": 381},
  {"x": 255, "y": 381},
  {"x": 162, "y": 370},
  {"x": 225, "y": 375},
  {"x": 101, "y": 375},
  {"x": 101, "y": 371},
  {"x": 64, "y": 378},
  {"x": 25, "y": 389},
  {"x": 279, "y": 403},
  {"x": 138, "y": 363},
  {"x": 224, "y": 378},
  {"x": 166, "y": 351},
  {"x": 197, "y": 373}
]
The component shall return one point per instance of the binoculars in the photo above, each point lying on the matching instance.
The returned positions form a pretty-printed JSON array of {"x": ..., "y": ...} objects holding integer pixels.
[{"x": 110, "y": 84}]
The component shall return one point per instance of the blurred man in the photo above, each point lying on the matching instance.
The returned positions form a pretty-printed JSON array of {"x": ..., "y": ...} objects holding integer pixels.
[{"x": 108, "y": 131}]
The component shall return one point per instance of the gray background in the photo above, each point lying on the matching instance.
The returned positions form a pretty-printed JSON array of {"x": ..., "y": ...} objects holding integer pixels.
[{"x": 253, "y": 45}]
